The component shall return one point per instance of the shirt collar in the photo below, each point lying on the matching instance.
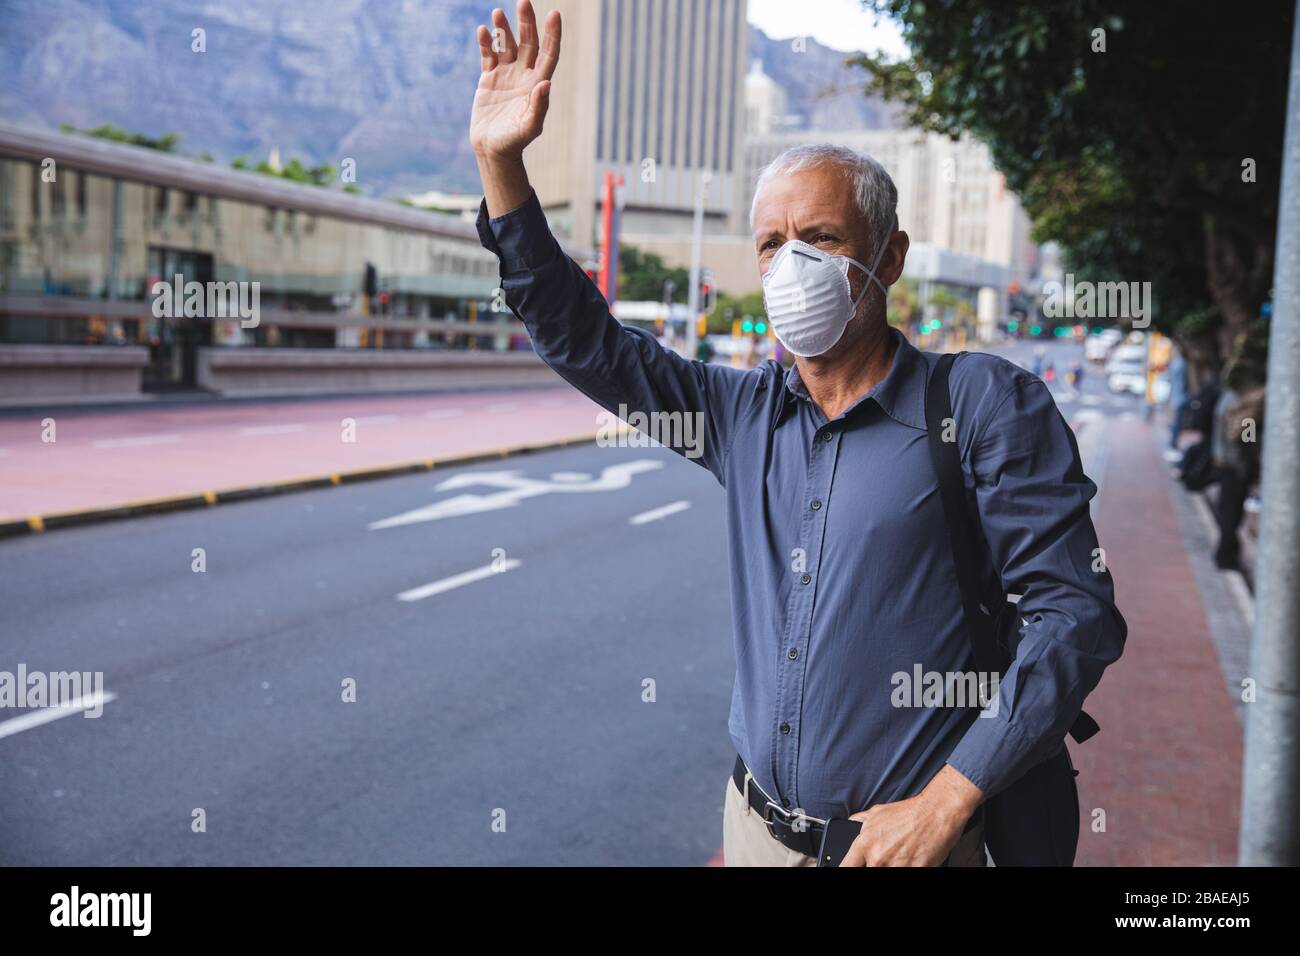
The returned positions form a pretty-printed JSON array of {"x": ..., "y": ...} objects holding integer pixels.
[{"x": 901, "y": 395}]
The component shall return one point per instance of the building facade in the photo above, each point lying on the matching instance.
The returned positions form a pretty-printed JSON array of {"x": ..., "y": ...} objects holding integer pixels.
[
  {"x": 88, "y": 228},
  {"x": 652, "y": 91}
]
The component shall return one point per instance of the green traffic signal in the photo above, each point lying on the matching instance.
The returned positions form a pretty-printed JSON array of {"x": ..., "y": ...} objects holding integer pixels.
[{"x": 1035, "y": 330}]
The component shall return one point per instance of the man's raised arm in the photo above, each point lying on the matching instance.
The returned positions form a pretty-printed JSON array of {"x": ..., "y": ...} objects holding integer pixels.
[{"x": 625, "y": 370}]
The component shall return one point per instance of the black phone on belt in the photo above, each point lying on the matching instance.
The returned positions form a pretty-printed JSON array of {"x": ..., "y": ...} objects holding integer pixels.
[{"x": 837, "y": 837}]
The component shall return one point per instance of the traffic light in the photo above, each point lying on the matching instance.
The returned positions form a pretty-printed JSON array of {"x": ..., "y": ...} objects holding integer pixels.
[{"x": 708, "y": 292}]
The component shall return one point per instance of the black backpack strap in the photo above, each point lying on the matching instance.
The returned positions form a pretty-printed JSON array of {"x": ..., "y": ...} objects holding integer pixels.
[
  {"x": 952, "y": 492},
  {"x": 980, "y": 621}
]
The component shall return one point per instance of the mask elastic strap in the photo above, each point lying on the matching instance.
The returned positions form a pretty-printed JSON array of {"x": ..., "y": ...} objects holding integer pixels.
[{"x": 871, "y": 274}]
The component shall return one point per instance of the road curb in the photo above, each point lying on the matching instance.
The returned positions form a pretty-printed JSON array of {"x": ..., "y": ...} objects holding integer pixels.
[{"x": 38, "y": 524}]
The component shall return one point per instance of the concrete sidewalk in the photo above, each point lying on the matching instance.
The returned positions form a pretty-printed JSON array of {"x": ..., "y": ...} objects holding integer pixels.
[{"x": 105, "y": 460}]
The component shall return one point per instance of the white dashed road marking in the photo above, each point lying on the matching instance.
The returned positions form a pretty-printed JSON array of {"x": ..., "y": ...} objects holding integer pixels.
[
  {"x": 657, "y": 513},
  {"x": 270, "y": 430},
  {"x": 136, "y": 441},
  {"x": 458, "y": 580},
  {"x": 44, "y": 715}
]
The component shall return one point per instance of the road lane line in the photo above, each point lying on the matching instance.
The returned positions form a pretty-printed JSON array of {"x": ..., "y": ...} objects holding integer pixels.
[
  {"x": 502, "y": 407},
  {"x": 270, "y": 430},
  {"x": 443, "y": 413},
  {"x": 458, "y": 580},
  {"x": 45, "y": 715},
  {"x": 136, "y": 441},
  {"x": 376, "y": 420},
  {"x": 656, "y": 513}
]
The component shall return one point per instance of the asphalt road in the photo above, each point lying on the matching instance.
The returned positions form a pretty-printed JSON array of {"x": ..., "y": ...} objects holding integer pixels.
[
  {"x": 518, "y": 692},
  {"x": 483, "y": 697}
]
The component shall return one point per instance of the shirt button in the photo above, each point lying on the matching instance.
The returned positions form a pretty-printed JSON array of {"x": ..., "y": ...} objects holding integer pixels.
[
  {"x": 827, "y": 436},
  {"x": 785, "y": 728},
  {"x": 816, "y": 504},
  {"x": 794, "y": 654},
  {"x": 805, "y": 578}
]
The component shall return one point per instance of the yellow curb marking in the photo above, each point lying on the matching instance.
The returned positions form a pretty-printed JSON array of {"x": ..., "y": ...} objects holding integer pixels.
[{"x": 36, "y": 523}]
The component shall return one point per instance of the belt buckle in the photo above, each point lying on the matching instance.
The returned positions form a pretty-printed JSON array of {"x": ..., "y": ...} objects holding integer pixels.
[{"x": 789, "y": 818}]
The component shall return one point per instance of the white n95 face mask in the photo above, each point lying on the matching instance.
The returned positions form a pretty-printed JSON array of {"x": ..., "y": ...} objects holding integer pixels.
[{"x": 807, "y": 295}]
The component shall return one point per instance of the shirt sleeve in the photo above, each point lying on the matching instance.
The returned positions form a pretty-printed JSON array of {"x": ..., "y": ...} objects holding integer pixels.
[
  {"x": 623, "y": 369},
  {"x": 1033, "y": 497}
]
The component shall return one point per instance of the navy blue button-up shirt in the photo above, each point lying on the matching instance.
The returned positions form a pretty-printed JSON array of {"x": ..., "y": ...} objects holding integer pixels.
[{"x": 842, "y": 578}]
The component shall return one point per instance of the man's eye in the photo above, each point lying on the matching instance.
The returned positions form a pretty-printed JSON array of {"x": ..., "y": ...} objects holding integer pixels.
[{"x": 823, "y": 237}]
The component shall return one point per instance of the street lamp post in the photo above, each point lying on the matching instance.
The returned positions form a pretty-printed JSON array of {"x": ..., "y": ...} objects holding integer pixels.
[
  {"x": 697, "y": 241},
  {"x": 1270, "y": 802}
]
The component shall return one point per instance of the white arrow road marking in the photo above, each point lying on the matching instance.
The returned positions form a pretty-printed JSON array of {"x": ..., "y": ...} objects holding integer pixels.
[
  {"x": 656, "y": 513},
  {"x": 516, "y": 488},
  {"x": 136, "y": 440},
  {"x": 458, "y": 580},
  {"x": 44, "y": 715}
]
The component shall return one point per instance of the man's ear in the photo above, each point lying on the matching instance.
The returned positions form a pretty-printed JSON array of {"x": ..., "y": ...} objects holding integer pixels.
[{"x": 891, "y": 263}]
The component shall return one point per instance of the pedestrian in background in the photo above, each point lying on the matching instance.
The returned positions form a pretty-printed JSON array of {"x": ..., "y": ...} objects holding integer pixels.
[
  {"x": 1239, "y": 423},
  {"x": 1178, "y": 399}
]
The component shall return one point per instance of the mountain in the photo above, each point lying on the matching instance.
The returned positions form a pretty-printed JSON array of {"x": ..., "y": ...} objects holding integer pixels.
[
  {"x": 820, "y": 89},
  {"x": 388, "y": 83}
]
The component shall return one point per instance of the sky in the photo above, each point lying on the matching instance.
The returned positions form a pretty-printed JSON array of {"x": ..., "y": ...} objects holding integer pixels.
[{"x": 838, "y": 24}]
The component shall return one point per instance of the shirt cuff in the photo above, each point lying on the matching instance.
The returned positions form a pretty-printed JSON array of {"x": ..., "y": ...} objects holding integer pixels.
[
  {"x": 992, "y": 754},
  {"x": 521, "y": 238}
]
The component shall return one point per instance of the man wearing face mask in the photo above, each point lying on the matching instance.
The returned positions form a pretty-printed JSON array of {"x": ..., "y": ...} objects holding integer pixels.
[{"x": 842, "y": 577}]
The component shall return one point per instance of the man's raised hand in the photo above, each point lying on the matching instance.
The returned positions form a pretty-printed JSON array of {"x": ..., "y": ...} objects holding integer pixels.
[{"x": 514, "y": 88}]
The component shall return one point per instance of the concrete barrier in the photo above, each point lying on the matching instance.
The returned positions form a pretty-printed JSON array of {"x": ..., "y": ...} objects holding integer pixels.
[
  {"x": 70, "y": 372},
  {"x": 238, "y": 372}
]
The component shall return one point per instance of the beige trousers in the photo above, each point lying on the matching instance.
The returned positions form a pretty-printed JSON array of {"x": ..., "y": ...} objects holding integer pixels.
[{"x": 747, "y": 842}]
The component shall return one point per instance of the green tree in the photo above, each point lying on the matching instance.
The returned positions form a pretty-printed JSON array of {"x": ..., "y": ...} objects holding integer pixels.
[
  {"x": 729, "y": 308},
  {"x": 1150, "y": 150},
  {"x": 641, "y": 277},
  {"x": 166, "y": 143}
]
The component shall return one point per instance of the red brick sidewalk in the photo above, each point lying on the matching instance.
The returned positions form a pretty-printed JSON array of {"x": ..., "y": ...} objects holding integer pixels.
[
  {"x": 1166, "y": 768},
  {"x": 103, "y": 459}
]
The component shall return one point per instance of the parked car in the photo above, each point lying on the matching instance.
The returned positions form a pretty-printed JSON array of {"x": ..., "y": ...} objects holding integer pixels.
[
  {"x": 1127, "y": 370},
  {"x": 1097, "y": 346}
]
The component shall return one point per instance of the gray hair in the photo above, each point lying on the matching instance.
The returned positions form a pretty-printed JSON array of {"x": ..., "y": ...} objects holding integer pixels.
[{"x": 873, "y": 188}]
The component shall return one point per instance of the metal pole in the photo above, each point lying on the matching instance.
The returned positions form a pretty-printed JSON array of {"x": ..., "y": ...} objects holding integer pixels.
[
  {"x": 697, "y": 241},
  {"x": 1270, "y": 801}
]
